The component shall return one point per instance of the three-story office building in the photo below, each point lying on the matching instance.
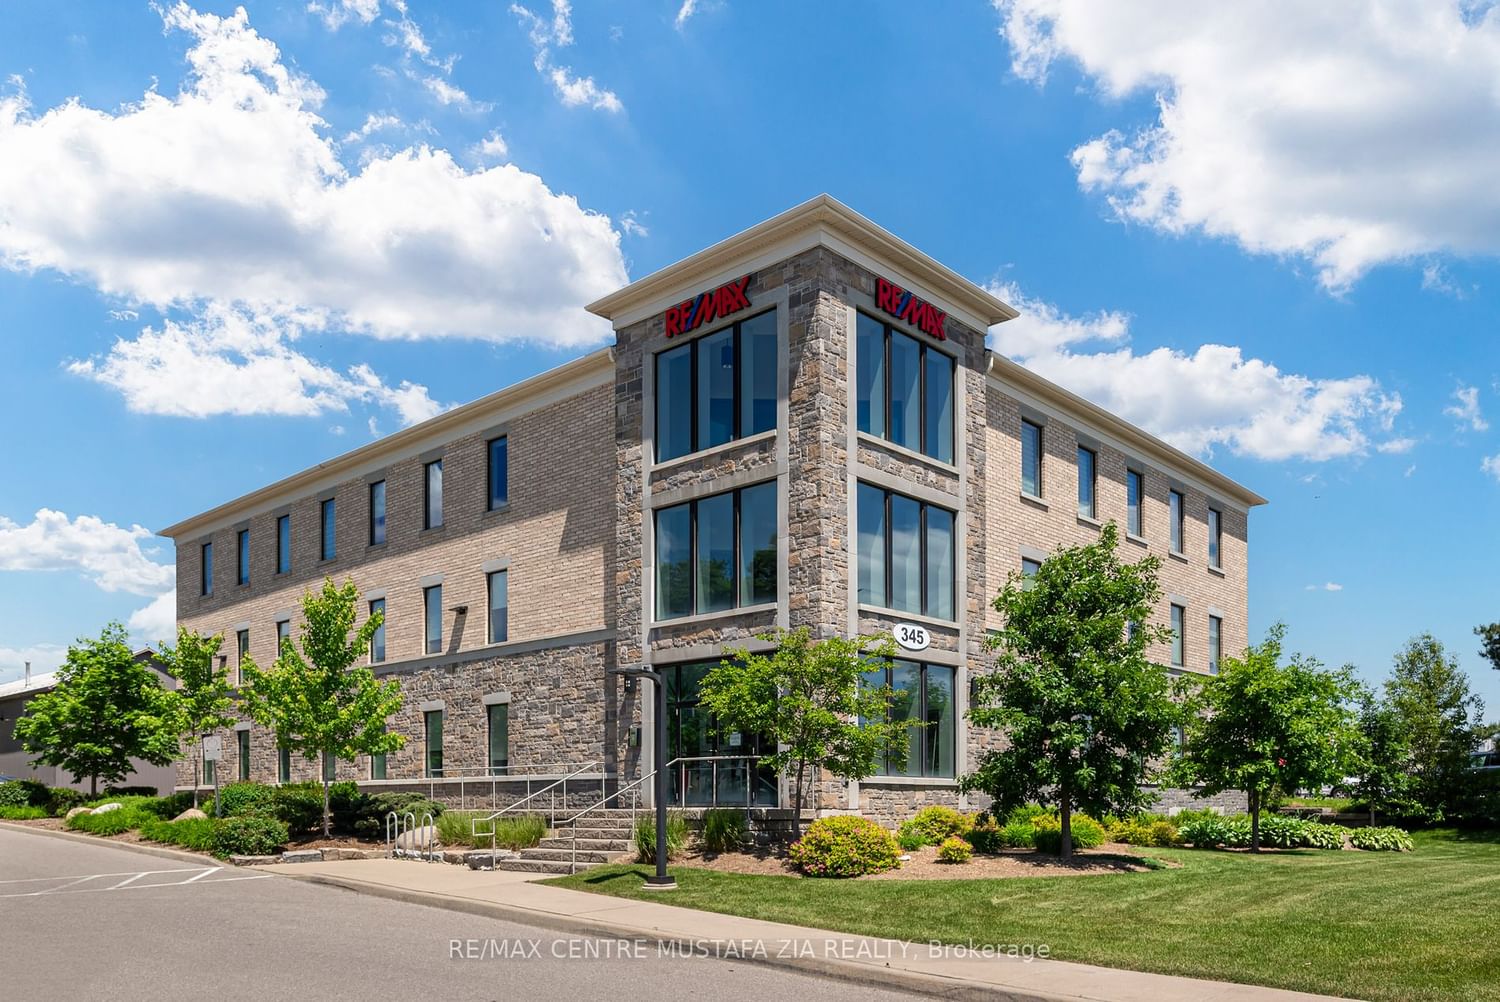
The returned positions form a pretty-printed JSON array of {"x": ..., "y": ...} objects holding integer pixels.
[{"x": 799, "y": 426}]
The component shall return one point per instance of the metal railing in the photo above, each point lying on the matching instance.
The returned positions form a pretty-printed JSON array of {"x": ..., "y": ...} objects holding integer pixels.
[
  {"x": 552, "y": 788},
  {"x": 490, "y": 777},
  {"x": 421, "y": 837}
]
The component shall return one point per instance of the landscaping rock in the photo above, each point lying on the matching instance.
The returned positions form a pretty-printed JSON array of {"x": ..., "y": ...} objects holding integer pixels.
[
  {"x": 106, "y": 808},
  {"x": 480, "y": 859},
  {"x": 303, "y": 856},
  {"x": 191, "y": 814},
  {"x": 77, "y": 811},
  {"x": 339, "y": 852},
  {"x": 423, "y": 838},
  {"x": 252, "y": 860}
]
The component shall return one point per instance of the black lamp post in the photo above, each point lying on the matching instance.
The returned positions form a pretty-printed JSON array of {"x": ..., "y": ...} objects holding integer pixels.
[{"x": 660, "y": 880}]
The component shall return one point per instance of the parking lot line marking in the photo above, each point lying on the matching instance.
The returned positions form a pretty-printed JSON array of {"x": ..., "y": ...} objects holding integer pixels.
[
  {"x": 121, "y": 873},
  {"x": 127, "y": 880},
  {"x": 211, "y": 869}
]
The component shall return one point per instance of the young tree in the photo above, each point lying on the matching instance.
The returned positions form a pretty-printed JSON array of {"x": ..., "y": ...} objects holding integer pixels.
[
  {"x": 317, "y": 700},
  {"x": 1382, "y": 774},
  {"x": 1260, "y": 725},
  {"x": 1489, "y": 638},
  {"x": 1085, "y": 712},
  {"x": 1430, "y": 696},
  {"x": 205, "y": 699},
  {"x": 106, "y": 709},
  {"x": 812, "y": 699}
]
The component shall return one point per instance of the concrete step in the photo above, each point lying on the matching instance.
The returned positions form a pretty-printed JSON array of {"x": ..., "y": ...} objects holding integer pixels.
[
  {"x": 565, "y": 855},
  {"x": 595, "y": 831},
  {"x": 590, "y": 844},
  {"x": 541, "y": 865}
]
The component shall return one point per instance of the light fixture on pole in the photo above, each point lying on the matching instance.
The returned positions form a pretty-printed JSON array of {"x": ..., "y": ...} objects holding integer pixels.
[{"x": 660, "y": 880}]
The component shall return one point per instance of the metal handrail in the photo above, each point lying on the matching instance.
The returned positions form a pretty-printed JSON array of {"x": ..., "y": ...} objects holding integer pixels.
[
  {"x": 489, "y": 776},
  {"x": 474, "y": 823}
]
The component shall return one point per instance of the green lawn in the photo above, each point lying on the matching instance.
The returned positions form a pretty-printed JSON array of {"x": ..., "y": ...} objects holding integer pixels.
[{"x": 1374, "y": 926}]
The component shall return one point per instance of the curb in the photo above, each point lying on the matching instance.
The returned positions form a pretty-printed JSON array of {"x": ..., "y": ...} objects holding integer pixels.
[
  {"x": 931, "y": 985},
  {"x": 181, "y": 855}
]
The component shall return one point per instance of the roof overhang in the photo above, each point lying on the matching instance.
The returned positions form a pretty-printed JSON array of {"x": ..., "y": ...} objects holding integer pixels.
[{"x": 821, "y": 221}]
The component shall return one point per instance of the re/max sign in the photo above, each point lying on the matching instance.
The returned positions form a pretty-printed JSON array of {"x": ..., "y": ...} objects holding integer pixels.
[
  {"x": 903, "y": 305},
  {"x": 691, "y": 314}
]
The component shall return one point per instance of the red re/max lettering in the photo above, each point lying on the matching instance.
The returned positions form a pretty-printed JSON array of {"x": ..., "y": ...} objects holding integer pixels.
[
  {"x": 691, "y": 314},
  {"x": 903, "y": 305}
]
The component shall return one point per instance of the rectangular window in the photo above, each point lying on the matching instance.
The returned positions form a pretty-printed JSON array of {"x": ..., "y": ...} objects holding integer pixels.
[
  {"x": 283, "y": 634},
  {"x": 1179, "y": 640},
  {"x": 499, "y": 469},
  {"x": 329, "y": 546},
  {"x": 499, "y": 588},
  {"x": 206, "y": 569},
  {"x": 1031, "y": 459},
  {"x": 242, "y": 556},
  {"x": 1176, "y": 509},
  {"x": 716, "y": 553},
  {"x": 903, "y": 389},
  {"x": 244, "y": 750},
  {"x": 283, "y": 765},
  {"x": 1134, "y": 494},
  {"x": 330, "y": 767},
  {"x": 434, "y": 742},
  {"x": 499, "y": 729},
  {"x": 283, "y": 544},
  {"x": 1029, "y": 569},
  {"x": 377, "y": 639},
  {"x": 241, "y": 651},
  {"x": 924, "y": 694},
  {"x": 1215, "y": 643},
  {"x": 377, "y": 766},
  {"x": 432, "y": 494},
  {"x": 1088, "y": 463},
  {"x": 906, "y": 553},
  {"x": 377, "y": 513},
  {"x": 432, "y": 619},
  {"x": 717, "y": 388},
  {"x": 1215, "y": 537},
  {"x": 210, "y": 770}
]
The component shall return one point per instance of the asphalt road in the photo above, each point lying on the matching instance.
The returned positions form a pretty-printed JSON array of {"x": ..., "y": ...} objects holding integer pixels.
[{"x": 85, "y": 921}]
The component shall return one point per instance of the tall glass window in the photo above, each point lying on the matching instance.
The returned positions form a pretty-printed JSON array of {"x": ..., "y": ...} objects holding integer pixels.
[
  {"x": 499, "y": 470},
  {"x": 906, "y": 551},
  {"x": 717, "y": 388},
  {"x": 903, "y": 389},
  {"x": 1176, "y": 510},
  {"x": 1031, "y": 459},
  {"x": 377, "y": 766},
  {"x": 377, "y": 513},
  {"x": 206, "y": 569},
  {"x": 283, "y": 544},
  {"x": 1179, "y": 639},
  {"x": 330, "y": 768},
  {"x": 329, "y": 544},
  {"x": 432, "y": 495},
  {"x": 283, "y": 634},
  {"x": 924, "y": 694},
  {"x": 377, "y": 639},
  {"x": 717, "y": 552},
  {"x": 242, "y": 555},
  {"x": 1215, "y": 537},
  {"x": 1087, "y": 481},
  {"x": 1134, "y": 498},
  {"x": 499, "y": 731},
  {"x": 242, "y": 651},
  {"x": 432, "y": 619},
  {"x": 499, "y": 589},
  {"x": 1215, "y": 643},
  {"x": 242, "y": 738},
  {"x": 433, "y": 719},
  {"x": 283, "y": 765},
  {"x": 210, "y": 770}
]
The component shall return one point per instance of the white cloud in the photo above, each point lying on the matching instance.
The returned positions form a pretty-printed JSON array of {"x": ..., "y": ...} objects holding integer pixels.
[
  {"x": 43, "y": 657},
  {"x": 1395, "y": 446},
  {"x": 1347, "y": 133},
  {"x": 1410, "y": 470},
  {"x": 1466, "y": 409},
  {"x": 1491, "y": 465},
  {"x": 574, "y": 90},
  {"x": 494, "y": 147},
  {"x": 1435, "y": 279},
  {"x": 337, "y": 13},
  {"x": 447, "y": 94},
  {"x": 684, "y": 12},
  {"x": 230, "y": 193},
  {"x": 124, "y": 315},
  {"x": 112, "y": 557},
  {"x": 373, "y": 123},
  {"x": 1219, "y": 397},
  {"x": 1329, "y": 586},
  {"x": 632, "y": 226},
  {"x": 156, "y": 622}
]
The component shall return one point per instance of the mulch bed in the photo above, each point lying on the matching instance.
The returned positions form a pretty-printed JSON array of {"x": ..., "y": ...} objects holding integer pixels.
[{"x": 924, "y": 864}]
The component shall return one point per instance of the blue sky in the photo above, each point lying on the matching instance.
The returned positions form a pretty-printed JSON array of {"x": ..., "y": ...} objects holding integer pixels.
[{"x": 232, "y": 246}]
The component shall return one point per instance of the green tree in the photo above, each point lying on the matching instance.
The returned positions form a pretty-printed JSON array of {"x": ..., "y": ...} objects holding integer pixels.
[
  {"x": 317, "y": 700},
  {"x": 1382, "y": 776},
  {"x": 1430, "y": 696},
  {"x": 106, "y": 709},
  {"x": 1489, "y": 639},
  {"x": 205, "y": 699},
  {"x": 811, "y": 699},
  {"x": 1260, "y": 725},
  {"x": 1083, "y": 709}
]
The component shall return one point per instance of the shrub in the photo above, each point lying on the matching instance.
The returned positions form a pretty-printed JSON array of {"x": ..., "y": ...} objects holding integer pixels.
[
  {"x": 725, "y": 830},
  {"x": 23, "y": 793},
  {"x": 299, "y": 806},
  {"x": 62, "y": 799},
  {"x": 1019, "y": 835},
  {"x": 192, "y": 833},
  {"x": 644, "y": 836},
  {"x": 128, "y": 817},
  {"x": 248, "y": 835},
  {"x": 954, "y": 850},
  {"x": 22, "y": 813},
  {"x": 985, "y": 836},
  {"x": 1321, "y": 836},
  {"x": 937, "y": 823},
  {"x": 1027, "y": 814},
  {"x": 347, "y": 805},
  {"x": 240, "y": 799},
  {"x": 844, "y": 846},
  {"x": 130, "y": 791},
  {"x": 522, "y": 831},
  {"x": 1384, "y": 839},
  {"x": 1047, "y": 832},
  {"x": 909, "y": 839},
  {"x": 1205, "y": 830},
  {"x": 1144, "y": 829},
  {"x": 456, "y": 828},
  {"x": 370, "y": 820}
]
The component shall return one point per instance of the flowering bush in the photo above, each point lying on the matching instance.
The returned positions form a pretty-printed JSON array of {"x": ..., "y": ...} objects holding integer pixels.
[
  {"x": 954, "y": 850},
  {"x": 844, "y": 846}
]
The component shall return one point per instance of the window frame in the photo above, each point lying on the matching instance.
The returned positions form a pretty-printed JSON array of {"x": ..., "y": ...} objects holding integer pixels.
[
  {"x": 1215, "y": 539},
  {"x": 242, "y": 556},
  {"x": 1093, "y": 482},
  {"x": 491, "y": 768},
  {"x": 1177, "y": 618},
  {"x": 883, "y": 766},
  {"x": 922, "y": 553},
  {"x": 242, "y": 747},
  {"x": 383, "y": 524},
  {"x": 284, "y": 544},
  {"x": 241, "y": 651},
  {"x": 283, "y": 764},
  {"x": 328, "y": 543},
  {"x": 280, "y": 636},
  {"x": 1177, "y": 515},
  {"x": 737, "y": 433},
  {"x": 428, "y": 772},
  {"x": 206, "y": 570},
  {"x": 503, "y": 441},
  {"x": 427, "y": 506},
  {"x": 737, "y": 518},
  {"x": 489, "y": 593},
  {"x": 379, "y": 630},
  {"x": 923, "y": 347},
  {"x": 1215, "y": 643},
  {"x": 1135, "y": 515},
  {"x": 428, "y": 641},
  {"x": 1041, "y": 452}
]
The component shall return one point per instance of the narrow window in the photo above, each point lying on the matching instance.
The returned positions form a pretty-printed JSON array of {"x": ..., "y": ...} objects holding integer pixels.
[
  {"x": 329, "y": 547},
  {"x": 1087, "y": 481},
  {"x": 377, "y": 513},
  {"x": 870, "y": 514},
  {"x": 434, "y": 741},
  {"x": 1215, "y": 643},
  {"x": 716, "y": 389},
  {"x": 242, "y": 556},
  {"x": 905, "y": 368},
  {"x": 1215, "y": 537},
  {"x": 940, "y": 548},
  {"x": 210, "y": 770},
  {"x": 206, "y": 569},
  {"x": 924, "y": 697},
  {"x": 330, "y": 767},
  {"x": 716, "y": 384},
  {"x": 714, "y": 559},
  {"x": 674, "y": 402},
  {"x": 377, "y": 639},
  {"x": 1133, "y": 498},
  {"x": 716, "y": 553},
  {"x": 283, "y": 765},
  {"x": 244, "y": 750},
  {"x": 432, "y": 504},
  {"x": 499, "y": 588},
  {"x": 757, "y": 542},
  {"x": 758, "y": 376},
  {"x": 906, "y": 553},
  {"x": 432, "y": 606},
  {"x": 674, "y": 562},
  {"x": 499, "y": 728},
  {"x": 903, "y": 389},
  {"x": 937, "y": 405},
  {"x": 1031, "y": 459},
  {"x": 499, "y": 463},
  {"x": 869, "y": 378},
  {"x": 283, "y": 634},
  {"x": 1176, "y": 510},
  {"x": 1179, "y": 641},
  {"x": 377, "y": 766},
  {"x": 283, "y": 544},
  {"x": 1029, "y": 569},
  {"x": 242, "y": 651}
]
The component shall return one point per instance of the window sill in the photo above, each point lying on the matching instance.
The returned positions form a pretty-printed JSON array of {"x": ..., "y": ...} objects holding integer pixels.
[
  {"x": 706, "y": 617},
  {"x": 376, "y": 546},
  {"x": 934, "y": 781},
  {"x": 914, "y": 617},
  {"x": 437, "y": 529},
  {"x": 1033, "y": 500},
  {"x": 865, "y": 438},
  {"x": 1217, "y": 571},
  {"x": 692, "y": 457},
  {"x": 1092, "y": 523},
  {"x": 328, "y": 560},
  {"x": 1177, "y": 555},
  {"x": 499, "y": 509}
]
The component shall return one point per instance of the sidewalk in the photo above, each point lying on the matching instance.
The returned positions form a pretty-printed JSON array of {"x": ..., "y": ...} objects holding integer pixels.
[{"x": 944, "y": 972}]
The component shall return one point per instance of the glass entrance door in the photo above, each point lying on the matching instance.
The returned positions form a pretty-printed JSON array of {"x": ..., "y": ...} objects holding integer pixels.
[{"x": 722, "y": 777}]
